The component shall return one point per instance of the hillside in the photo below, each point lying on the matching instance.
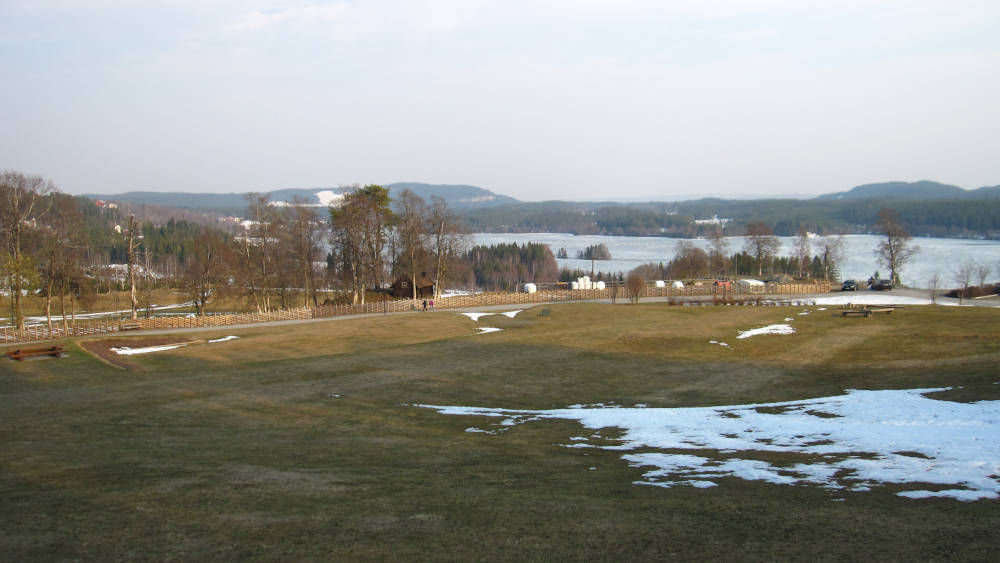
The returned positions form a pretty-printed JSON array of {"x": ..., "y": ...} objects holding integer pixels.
[
  {"x": 929, "y": 208},
  {"x": 457, "y": 196},
  {"x": 922, "y": 190}
]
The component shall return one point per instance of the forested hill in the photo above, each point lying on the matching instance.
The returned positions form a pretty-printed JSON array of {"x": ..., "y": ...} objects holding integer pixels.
[
  {"x": 457, "y": 196},
  {"x": 946, "y": 218},
  {"x": 913, "y": 190},
  {"x": 929, "y": 208}
]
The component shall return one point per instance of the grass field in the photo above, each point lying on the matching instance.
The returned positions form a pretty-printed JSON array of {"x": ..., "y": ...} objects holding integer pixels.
[{"x": 301, "y": 442}]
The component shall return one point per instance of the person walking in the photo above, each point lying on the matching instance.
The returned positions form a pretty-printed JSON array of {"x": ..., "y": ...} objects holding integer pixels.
[
  {"x": 425, "y": 305},
  {"x": 432, "y": 304}
]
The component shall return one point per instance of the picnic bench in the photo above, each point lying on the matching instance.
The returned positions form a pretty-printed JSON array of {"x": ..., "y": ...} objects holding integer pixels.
[
  {"x": 867, "y": 310},
  {"x": 21, "y": 354}
]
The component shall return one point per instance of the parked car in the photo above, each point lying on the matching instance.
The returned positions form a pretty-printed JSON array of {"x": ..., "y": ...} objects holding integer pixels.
[
  {"x": 849, "y": 285},
  {"x": 882, "y": 285}
]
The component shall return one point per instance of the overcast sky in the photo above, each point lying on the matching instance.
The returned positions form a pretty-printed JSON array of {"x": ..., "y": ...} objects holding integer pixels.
[{"x": 548, "y": 99}]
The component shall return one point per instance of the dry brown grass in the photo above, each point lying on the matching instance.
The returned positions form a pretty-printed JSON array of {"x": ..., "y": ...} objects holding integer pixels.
[{"x": 296, "y": 442}]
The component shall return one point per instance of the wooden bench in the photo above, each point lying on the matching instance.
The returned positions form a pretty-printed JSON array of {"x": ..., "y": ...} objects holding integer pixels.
[
  {"x": 856, "y": 313},
  {"x": 20, "y": 355},
  {"x": 867, "y": 310}
]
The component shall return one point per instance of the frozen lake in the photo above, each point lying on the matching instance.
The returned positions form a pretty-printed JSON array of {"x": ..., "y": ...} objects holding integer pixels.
[{"x": 935, "y": 255}]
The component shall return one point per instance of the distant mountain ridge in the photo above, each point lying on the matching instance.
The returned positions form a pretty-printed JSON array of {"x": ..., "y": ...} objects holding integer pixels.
[
  {"x": 922, "y": 190},
  {"x": 459, "y": 197}
]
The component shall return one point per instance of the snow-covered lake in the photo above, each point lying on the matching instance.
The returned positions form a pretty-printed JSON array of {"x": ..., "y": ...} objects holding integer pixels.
[{"x": 935, "y": 255}]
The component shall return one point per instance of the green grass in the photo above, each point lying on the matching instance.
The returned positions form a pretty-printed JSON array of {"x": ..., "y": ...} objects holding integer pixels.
[{"x": 241, "y": 450}]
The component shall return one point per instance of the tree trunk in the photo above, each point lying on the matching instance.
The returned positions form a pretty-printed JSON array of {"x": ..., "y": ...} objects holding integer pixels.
[
  {"x": 62, "y": 311},
  {"x": 131, "y": 264}
]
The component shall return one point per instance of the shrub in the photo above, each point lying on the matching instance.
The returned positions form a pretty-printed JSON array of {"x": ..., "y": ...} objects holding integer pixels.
[{"x": 633, "y": 285}]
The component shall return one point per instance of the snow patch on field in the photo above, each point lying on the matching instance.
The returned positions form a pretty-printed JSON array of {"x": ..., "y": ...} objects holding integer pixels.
[
  {"x": 224, "y": 338},
  {"x": 126, "y": 351},
  {"x": 769, "y": 329},
  {"x": 871, "y": 299},
  {"x": 475, "y": 316},
  {"x": 485, "y": 329},
  {"x": 855, "y": 441}
]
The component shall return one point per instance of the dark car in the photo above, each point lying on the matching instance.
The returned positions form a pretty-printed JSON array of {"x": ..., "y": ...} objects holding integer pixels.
[
  {"x": 881, "y": 285},
  {"x": 849, "y": 285}
]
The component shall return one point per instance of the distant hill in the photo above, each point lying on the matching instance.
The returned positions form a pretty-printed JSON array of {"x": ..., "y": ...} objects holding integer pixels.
[
  {"x": 922, "y": 190},
  {"x": 458, "y": 197}
]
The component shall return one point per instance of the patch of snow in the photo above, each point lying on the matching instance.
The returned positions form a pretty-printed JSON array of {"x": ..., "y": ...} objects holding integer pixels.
[
  {"x": 327, "y": 198},
  {"x": 475, "y": 316},
  {"x": 821, "y": 309},
  {"x": 871, "y": 299},
  {"x": 511, "y": 314},
  {"x": 224, "y": 338},
  {"x": 804, "y": 313},
  {"x": 855, "y": 441},
  {"x": 98, "y": 315},
  {"x": 126, "y": 351},
  {"x": 789, "y": 319},
  {"x": 769, "y": 329},
  {"x": 485, "y": 329},
  {"x": 455, "y": 293},
  {"x": 481, "y": 431}
]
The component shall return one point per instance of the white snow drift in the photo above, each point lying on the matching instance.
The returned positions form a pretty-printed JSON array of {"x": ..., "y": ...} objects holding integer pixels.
[
  {"x": 769, "y": 329},
  {"x": 854, "y": 441},
  {"x": 224, "y": 338},
  {"x": 475, "y": 316},
  {"x": 126, "y": 351}
]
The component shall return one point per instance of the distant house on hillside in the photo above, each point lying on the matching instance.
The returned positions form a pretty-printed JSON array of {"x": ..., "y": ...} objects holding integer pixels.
[{"x": 403, "y": 287}]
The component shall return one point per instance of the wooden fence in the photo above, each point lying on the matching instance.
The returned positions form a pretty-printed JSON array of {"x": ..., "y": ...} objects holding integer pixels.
[{"x": 88, "y": 327}]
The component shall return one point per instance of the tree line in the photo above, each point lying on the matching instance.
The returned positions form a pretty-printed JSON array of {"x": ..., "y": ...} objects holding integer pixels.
[
  {"x": 944, "y": 218},
  {"x": 810, "y": 258},
  {"x": 64, "y": 249}
]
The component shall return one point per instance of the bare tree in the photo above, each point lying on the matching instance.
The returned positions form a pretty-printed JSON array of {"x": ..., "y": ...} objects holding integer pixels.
[
  {"x": 761, "y": 244},
  {"x": 411, "y": 225},
  {"x": 256, "y": 269},
  {"x": 963, "y": 277},
  {"x": 718, "y": 256},
  {"x": 60, "y": 255},
  {"x": 803, "y": 251},
  {"x": 304, "y": 232},
  {"x": 22, "y": 201},
  {"x": 895, "y": 251},
  {"x": 346, "y": 223},
  {"x": 832, "y": 256},
  {"x": 982, "y": 274},
  {"x": 933, "y": 284},
  {"x": 448, "y": 242},
  {"x": 205, "y": 272},
  {"x": 633, "y": 286},
  {"x": 689, "y": 262},
  {"x": 359, "y": 233},
  {"x": 131, "y": 246}
]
